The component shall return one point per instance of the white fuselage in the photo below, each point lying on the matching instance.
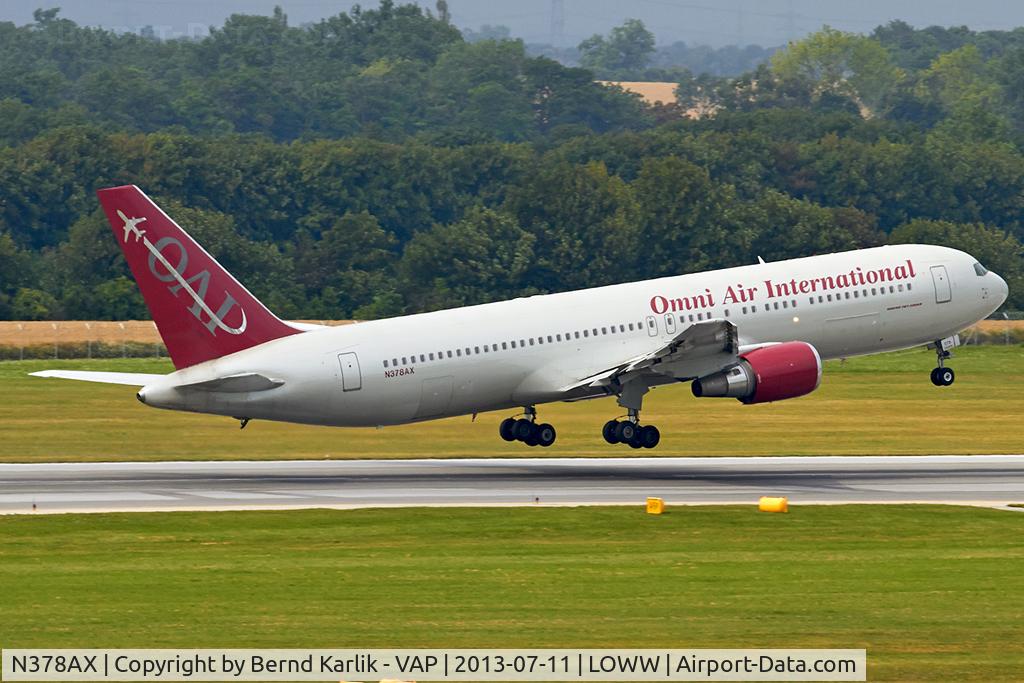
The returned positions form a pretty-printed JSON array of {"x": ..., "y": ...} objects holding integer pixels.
[{"x": 526, "y": 351}]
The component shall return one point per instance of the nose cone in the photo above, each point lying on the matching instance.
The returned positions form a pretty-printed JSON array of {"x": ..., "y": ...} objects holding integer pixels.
[{"x": 1002, "y": 290}]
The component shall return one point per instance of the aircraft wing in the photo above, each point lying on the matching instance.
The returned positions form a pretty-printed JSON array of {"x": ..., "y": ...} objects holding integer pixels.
[
  {"x": 134, "y": 379},
  {"x": 712, "y": 343}
]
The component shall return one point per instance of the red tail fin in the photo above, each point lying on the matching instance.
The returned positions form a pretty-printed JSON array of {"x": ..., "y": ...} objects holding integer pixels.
[{"x": 201, "y": 311}]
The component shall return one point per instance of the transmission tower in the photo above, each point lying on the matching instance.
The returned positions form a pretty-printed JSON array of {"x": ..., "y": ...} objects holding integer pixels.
[{"x": 557, "y": 21}]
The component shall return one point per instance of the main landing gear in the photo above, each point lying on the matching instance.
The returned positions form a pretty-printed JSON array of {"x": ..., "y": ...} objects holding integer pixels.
[
  {"x": 630, "y": 431},
  {"x": 527, "y": 430},
  {"x": 942, "y": 376}
]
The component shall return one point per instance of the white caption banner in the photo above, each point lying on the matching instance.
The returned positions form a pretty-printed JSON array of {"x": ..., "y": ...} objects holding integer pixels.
[{"x": 434, "y": 665}]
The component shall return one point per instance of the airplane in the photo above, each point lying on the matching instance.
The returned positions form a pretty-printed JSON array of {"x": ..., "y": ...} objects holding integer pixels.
[{"x": 756, "y": 333}]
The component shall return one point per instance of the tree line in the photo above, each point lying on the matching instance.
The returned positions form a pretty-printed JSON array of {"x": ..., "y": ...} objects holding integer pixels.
[{"x": 470, "y": 172}]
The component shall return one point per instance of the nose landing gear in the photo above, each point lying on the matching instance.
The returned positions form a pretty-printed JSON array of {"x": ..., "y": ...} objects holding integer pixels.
[
  {"x": 527, "y": 430},
  {"x": 942, "y": 376}
]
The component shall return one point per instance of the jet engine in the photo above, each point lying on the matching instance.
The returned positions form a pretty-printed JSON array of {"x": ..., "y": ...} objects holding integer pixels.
[{"x": 770, "y": 373}]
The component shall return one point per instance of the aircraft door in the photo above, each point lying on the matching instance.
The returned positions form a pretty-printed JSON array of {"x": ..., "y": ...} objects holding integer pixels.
[
  {"x": 351, "y": 376},
  {"x": 435, "y": 397},
  {"x": 943, "y": 292},
  {"x": 670, "y": 323}
]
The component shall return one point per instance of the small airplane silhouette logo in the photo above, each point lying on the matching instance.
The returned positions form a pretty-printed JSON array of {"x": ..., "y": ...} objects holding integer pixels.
[{"x": 130, "y": 226}]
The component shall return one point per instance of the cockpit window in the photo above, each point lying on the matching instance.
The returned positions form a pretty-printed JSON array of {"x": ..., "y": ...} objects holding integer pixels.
[{"x": 980, "y": 269}]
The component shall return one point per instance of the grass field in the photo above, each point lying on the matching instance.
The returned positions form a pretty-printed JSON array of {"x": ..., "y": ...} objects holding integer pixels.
[
  {"x": 874, "y": 405},
  {"x": 933, "y": 593}
]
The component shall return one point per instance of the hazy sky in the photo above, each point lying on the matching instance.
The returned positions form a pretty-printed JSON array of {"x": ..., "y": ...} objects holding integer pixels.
[{"x": 714, "y": 22}]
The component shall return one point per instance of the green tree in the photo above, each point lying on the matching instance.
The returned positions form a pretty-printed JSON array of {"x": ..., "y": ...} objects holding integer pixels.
[
  {"x": 684, "y": 216},
  {"x": 585, "y": 222},
  {"x": 484, "y": 257},
  {"x": 348, "y": 267},
  {"x": 839, "y": 63},
  {"x": 626, "y": 50},
  {"x": 33, "y": 304}
]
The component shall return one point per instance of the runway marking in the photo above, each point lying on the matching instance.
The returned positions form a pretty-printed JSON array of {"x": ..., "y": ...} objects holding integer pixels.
[
  {"x": 82, "y": 497},
  {"x": 239, "y": 495}
]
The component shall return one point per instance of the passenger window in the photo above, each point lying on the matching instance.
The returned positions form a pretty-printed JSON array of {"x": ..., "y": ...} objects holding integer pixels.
[
  {"x": 531, "y": 341},
  {"x": 856, "y": 294},
  {"x": 504, "y": 346},
  {"x": 847, "y": 295},
  {"x": 830, "y": 297},
  {"x": 595, "y": 331},
  {"x": 727, "y": 313},
  {"x": 622, "y": 328},
  {"x": 793, "y": 303},
  {"x": 577, "y": 334},
  {"x": 631, "y": 325},
  {"x": 785, "y": 304},
  {"x": 874, "y": 292},
  {"x": 810, "y": 300},
  {"x": 476, "y": 349},
  {"x": 901, "y": 287},
  {"x": 394, "y": 362},
  {"x": 449, "y": 354},
  {"x": 549, "y": 339},
  {"x": 540, "y": 340},
  {"x": 821, "y": 299},
  {"x": 513, "y": 343},
  {"x": 458, "y": 352},
  {"x": 423, "y": 358},
  {"x": 431, "y": 356},
  {"x": 404, "y": 361},
  {"x": 604, "y": 330},
  {"x": 558, "y": 337},
  {"x": 892, "y": 290},
  {"x": 586, "y": 333},
  {"x": 744, "y": 310},
  {"x": 908, "y": 286},
  {"x": 385, "y": 362}
]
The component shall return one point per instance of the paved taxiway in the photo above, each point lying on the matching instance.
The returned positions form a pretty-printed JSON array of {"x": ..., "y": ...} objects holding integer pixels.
[{"x": 987, "y": 480}]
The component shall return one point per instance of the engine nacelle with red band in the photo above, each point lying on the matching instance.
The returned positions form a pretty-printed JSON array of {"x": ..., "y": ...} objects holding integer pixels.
[{"x": 770, "y": 373}]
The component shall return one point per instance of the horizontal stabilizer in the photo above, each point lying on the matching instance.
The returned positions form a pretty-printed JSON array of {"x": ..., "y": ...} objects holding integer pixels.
[
  {"x": 133, "y": 379},
  {"x": 235, "y": 384}
]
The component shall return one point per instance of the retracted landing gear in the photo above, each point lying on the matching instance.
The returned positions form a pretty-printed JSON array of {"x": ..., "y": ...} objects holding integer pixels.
[
  {"x": 630, "y": 431},
  {"x": 527, "y": 430},
  {"x": 943, "y": 376}
]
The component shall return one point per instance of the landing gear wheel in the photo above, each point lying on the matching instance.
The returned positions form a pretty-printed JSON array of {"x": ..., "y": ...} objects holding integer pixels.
[
  {"x": 946, "y": 376},
  {"x": 649, "y": 436},
  {"x": 531, "y": 440},
  {"x": 635, "y": 441},
  {"x": 545, "y": 435},
  {"x": 608, "y": 431},
  {"x": 507, "y": 429},
  {"x": 523, "y": 429},
  {"x": 625, "y": 431},
  {"x": 935, "y": 377}
]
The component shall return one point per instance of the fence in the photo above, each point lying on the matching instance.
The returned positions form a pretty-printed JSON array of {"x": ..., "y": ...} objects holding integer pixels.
[{"x": 21, "y": 340}]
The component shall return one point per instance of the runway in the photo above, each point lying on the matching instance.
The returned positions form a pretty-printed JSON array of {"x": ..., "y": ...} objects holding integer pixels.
[{"x": 112, "y": 487}]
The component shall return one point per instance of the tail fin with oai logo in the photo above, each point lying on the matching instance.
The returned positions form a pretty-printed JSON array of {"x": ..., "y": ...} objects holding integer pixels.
[{"x": 202, "y": 312}]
